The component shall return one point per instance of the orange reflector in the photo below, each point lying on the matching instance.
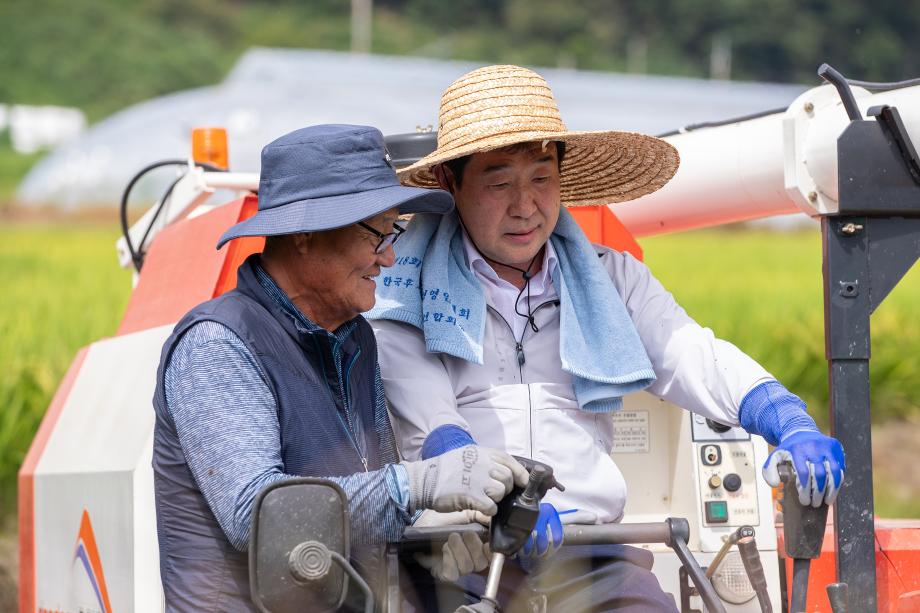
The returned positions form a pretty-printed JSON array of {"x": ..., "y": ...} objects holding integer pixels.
[{"x": 209, "y": 146}]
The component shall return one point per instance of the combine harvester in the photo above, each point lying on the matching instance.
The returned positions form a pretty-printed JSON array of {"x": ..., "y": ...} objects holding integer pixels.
[{"x": 839, "y": 153}]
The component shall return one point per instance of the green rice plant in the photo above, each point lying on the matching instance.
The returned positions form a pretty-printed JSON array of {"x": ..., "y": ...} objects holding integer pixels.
[
  {"x": 62, "y": 289},
  {"x": 763, "y": 292}
]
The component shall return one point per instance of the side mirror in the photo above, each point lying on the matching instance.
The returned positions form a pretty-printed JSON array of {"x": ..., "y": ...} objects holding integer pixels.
[{"x": 298, "y": 547}]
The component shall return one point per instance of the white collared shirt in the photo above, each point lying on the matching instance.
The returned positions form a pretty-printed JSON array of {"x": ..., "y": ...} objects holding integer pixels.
[{"x": 502, "y": 295}]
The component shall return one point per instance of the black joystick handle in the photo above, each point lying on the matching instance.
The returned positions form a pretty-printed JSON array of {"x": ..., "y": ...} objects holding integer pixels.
[
  {"x": 803, "y": 525},
  {"x": 518, "y": 511}
]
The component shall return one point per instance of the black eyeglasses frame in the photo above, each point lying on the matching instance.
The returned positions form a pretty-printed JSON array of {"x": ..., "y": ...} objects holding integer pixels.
[{"x": 386, "y": 239}]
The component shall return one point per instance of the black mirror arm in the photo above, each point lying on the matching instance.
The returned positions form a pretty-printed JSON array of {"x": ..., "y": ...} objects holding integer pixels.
[{"x": 353, "y": 574}]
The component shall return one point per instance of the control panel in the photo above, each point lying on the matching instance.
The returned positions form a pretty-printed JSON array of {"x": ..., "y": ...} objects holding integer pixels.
[
  {"x": 678, "y": 464},
  {"x": 727, "y": 474}
]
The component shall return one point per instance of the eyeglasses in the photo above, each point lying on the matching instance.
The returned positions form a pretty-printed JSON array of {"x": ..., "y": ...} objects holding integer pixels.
[{"x": 387, "y": 239}]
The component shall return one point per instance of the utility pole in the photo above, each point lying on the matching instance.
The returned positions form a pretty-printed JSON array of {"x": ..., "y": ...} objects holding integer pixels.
[
  {"x": 362, "y": 12},
  {"x": 720, "y": 58}
]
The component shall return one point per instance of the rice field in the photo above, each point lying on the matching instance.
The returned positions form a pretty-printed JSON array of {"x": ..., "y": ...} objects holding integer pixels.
[
  {"x": 62, "y": 289},
  {"x": 763, "y": 291}
]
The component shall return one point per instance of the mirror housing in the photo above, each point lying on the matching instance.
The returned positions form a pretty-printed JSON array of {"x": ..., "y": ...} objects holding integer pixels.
[{"x": 298, "y": 525}]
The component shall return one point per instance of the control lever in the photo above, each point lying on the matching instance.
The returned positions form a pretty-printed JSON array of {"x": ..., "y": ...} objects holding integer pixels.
[
  {"x": 747, "y": 547},
  {"x": 515, "y": 520},
  {"x": 754, "y": 569},
  {"x": 803, "y": 528},
  {"x": 837, "y": 593}
]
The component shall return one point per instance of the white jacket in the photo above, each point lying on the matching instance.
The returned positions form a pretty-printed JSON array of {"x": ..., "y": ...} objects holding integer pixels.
[{"x": 529, "y": 409}]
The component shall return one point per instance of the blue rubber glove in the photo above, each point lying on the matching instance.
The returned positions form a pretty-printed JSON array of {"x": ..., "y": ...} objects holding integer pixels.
[
  {"x": 818, "y": 462},
  {"x": 546, "y": 537}
]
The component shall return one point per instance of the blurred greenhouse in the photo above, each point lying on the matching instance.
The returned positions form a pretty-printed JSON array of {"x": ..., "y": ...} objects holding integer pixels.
[{"x": 273, "y": 91}]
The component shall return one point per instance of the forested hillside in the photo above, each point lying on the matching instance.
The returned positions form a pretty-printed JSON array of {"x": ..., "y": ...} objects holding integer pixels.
[{"x": 102, "y": 55}]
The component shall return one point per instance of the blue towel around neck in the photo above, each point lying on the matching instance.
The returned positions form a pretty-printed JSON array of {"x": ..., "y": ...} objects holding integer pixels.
[{"x": 431, "y": 287}]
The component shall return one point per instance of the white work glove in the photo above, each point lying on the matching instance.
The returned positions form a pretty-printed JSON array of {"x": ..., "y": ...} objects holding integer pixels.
[
  {"x": 462, "y": 554},
  {"x": 470, "y": 477},
  {"x": 435, "y": 519}
]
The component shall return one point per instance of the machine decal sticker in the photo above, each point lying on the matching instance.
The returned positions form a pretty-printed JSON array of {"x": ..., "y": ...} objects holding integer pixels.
[
  {"x": 88, "y": 554},
  {"x": 630, "y": 432}
]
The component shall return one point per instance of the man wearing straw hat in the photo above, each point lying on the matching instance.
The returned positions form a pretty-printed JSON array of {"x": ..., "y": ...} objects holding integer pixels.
[{"x": 501, "y": 324}]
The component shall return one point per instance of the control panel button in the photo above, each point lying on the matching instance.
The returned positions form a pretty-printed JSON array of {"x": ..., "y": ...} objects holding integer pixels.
[
  {"x": 711, "y": 455},
  {"x": 715, "y": 481},
  {"x": 732, "y": 482},
  {"x": 716, "y": 512}
]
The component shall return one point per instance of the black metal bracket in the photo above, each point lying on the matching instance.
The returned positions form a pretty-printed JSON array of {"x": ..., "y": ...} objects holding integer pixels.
[
  {"x": 868, "y": 246},
  {"x": 890, "y": 120},
  {"x": 686, "y": 591}
]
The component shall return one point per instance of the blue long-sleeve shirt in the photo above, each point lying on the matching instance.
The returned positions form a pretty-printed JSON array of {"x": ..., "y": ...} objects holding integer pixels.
[{"x": 226, "y": 419}]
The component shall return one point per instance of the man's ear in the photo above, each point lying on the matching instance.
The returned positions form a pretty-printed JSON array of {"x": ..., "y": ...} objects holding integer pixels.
[
  {"x": 301, "y": 242},
  {"x": 444, "y": 177}
]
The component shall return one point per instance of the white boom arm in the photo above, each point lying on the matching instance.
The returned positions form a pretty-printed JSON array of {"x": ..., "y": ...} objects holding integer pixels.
[{"x": 773, "y": 165}]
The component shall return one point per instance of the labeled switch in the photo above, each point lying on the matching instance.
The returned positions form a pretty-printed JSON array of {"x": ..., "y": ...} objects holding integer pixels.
[
  {"x": 715, "y": 481},
  {"x": 716, "y": 512}
]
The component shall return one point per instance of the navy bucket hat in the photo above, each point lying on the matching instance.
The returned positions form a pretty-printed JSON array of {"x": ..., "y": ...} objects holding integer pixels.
[{"x": 329, "y": 176}]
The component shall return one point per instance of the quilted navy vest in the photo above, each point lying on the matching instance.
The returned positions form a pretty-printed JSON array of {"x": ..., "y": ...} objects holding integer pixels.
[{"x": 199, "y": 568}]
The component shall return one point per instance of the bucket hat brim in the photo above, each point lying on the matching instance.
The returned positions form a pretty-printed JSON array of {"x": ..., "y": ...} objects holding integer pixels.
[{"x": 331, "y": 212}]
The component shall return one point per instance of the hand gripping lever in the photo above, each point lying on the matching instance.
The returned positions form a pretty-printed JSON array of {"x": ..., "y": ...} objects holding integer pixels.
[
  {"x": 513, "y": 523},
  {"x": 803, "y": 529}
]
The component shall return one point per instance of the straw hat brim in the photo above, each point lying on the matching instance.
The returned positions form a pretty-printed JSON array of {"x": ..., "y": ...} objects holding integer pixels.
[{"x": 599, "y": 167}]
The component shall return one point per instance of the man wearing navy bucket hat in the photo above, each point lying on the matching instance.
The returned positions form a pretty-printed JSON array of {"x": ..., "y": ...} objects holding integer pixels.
[{"x": 278, "y": 378}]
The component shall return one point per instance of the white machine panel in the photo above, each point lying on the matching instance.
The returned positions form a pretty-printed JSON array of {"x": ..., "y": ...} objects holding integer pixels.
[
  {"x": 95, "y": 525},
  {"x": 728, "y": 490},
  {"x": 674, "y": 463}
]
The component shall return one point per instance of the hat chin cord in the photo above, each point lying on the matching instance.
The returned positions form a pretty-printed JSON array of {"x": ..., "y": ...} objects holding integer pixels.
[{"x": 526, "y": 274}]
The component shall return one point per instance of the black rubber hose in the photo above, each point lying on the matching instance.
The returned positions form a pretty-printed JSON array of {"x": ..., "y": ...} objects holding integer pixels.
[
  {"x": 123, "y": 207},
  {"x": 883, "y": 87},
  {"x": 137, "y": 257},
  {"x": 800, "y": 568},
  {"x": 722, "y": 122},
  {"x": 832, "y": 76}
]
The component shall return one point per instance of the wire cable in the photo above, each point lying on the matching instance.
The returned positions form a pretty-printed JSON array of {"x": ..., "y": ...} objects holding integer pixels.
[
  {"x": 137, "y": 255},
  {"x": 724, "y": 122},
  {"x": 870, "y": 85},
  {"x": 883, "y": 87}
]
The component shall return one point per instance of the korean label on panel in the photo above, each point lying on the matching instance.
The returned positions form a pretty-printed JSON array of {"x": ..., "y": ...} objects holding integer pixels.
[{"x": 630, "y": 432}]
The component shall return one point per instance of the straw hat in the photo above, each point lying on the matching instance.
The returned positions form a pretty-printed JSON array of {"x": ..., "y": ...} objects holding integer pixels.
[{"x": 496, "y": 106}]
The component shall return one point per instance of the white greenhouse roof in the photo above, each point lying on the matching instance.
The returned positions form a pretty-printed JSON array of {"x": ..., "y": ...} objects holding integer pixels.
[{"x": 273, "y": 91}]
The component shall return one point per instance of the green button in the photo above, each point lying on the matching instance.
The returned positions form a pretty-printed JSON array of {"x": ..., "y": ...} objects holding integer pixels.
[{"x": 716, "y": 512}]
